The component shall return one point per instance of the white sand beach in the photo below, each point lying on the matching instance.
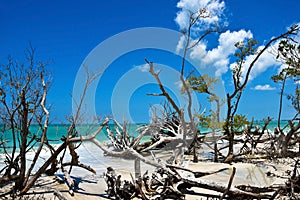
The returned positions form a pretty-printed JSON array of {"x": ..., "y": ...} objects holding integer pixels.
[{"x": 93, "y": 186}]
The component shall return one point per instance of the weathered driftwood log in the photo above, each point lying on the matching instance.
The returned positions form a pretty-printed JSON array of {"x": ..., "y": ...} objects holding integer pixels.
[
  {"x": 229, "y": 183},
  {"x": 81, "y": 165},
  {"x": 59, "y": 195},
  {"x": 70, "y": 182},
  {"x": 197, "y": 174},
  {"x": 164, "y": 185},
  {"x": 232, "y": 192}
]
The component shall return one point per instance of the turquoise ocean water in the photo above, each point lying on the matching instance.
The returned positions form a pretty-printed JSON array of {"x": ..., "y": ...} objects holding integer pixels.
[{"x": 57, "y": 131}]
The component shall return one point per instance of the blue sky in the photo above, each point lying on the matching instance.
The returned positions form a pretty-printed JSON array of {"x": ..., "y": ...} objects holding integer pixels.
[{"x": 67, "y": 31}]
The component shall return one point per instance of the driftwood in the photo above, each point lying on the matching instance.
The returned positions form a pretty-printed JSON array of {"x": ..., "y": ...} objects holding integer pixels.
[
  {"x": 171, "y": 181},
  {"x": 258, "y": 143},
  {"x": 229, "y": 183},
  {"x": 169, "y": 186},
  {"x": 59, "y": 195},
  {"x": 293, "y": 184},
  {"x": 196, "y": 174},
  {"x": 114, "y": 187},
  {"x": 70, "y": 182},
  {"x": 81, "y": 165}
]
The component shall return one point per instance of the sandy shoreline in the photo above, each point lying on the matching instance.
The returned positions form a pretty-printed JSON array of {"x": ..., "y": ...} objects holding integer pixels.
[{"x": 93, "y": 186}]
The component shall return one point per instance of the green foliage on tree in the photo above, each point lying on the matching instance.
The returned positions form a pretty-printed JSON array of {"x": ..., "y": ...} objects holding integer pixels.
[
  {"x": 243, "y": 50},
  {"x": 239, "y": 122},
  {"x": 204, "y": 84},
  {"x": 288, "y": 52}
]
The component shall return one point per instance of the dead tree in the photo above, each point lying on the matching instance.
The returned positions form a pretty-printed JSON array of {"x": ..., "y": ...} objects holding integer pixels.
[
  {"x": 61, "y": 148},
  {"x": 190, "y": 125},
  {"x": 69, "y": 142},
  {"x": 23, "y": 92},
  {"x": 252, "y": 137}
]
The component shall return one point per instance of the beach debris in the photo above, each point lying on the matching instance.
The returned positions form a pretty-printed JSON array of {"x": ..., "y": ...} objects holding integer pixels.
[
  {"x": 59, "y": 195},
  {"x": 70, "y": 182},
  {"x": 116, "y": 188},
  {"x": 162, "y": 184},
  {"x": 293, "y": 183}
]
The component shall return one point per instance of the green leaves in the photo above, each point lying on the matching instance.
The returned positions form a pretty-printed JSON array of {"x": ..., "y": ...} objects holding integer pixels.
[
  {"x": 239, "y": 121},
  {"x": 245, "y": 48},
  {"x": 279, "y": 77},
  {"x": 210, "y": 121},
  {"x": 202, "y": 83},
  {"x": 288, "y": 53}
]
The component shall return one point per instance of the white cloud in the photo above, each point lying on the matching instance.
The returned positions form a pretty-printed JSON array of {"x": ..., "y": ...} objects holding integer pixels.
[
  {"x": 199, "y": 51},
  {"x": 180, "y": 44},
  {"x": 182, "y": 19},
  {"x": 263, "y": 87},
  {"x": 214, "y": 8},
  {"x": 219, "y": 56},
  {"x": 143, "y": 68}
]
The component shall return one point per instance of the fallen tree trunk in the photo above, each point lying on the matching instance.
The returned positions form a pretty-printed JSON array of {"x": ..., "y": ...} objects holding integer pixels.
[{"x": 222, "y": 188}]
